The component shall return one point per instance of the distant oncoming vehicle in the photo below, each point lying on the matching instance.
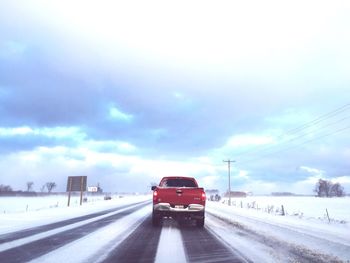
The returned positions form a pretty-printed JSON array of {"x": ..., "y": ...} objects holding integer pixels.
[
  {"x": 215, "y": 197},
  {"x": 179, "y": 198}
]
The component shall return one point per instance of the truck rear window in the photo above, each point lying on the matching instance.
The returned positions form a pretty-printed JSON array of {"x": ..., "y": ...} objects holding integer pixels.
[{"x": 178, "y": 183}]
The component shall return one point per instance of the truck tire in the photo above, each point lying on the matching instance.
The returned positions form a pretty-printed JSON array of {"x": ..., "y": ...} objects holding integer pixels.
[
  {"x": 155, "y": 219},
  {"x": 200, "y": 222}
]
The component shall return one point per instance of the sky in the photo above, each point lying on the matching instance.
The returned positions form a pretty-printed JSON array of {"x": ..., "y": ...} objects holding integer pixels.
[{"x": 126, "y": 92}]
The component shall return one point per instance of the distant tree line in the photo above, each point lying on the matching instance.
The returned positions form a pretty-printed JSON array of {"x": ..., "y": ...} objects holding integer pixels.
[
  {"x": 5, "y": 188},
  {"x": 49, "y": 186},
  {"x": 325, "y": 188},
  {"x": 30, "y": 186},
  {"x": 282, "y": 194}
]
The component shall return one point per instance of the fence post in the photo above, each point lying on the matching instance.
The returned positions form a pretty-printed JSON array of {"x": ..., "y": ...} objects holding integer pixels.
[{"x": 328, "y": 216}]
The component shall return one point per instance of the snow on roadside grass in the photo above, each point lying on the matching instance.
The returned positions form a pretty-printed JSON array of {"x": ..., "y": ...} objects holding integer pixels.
[
  {"x": 19, "y": 204},
  {"x": 15, "y": 220},
  {"x": 307, "y": 231},
  {"x": 338, "y": 232},
  {"x": 300, "y": 206}
]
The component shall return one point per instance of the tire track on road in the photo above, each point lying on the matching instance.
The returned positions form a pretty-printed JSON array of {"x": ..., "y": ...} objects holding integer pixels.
[
  {"x": 202, "y": 246},
  {"x": 140, "y": 246}
]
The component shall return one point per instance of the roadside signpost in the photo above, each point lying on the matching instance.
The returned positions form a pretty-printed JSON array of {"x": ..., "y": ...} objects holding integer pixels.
[{"x": 76, "y": 184}]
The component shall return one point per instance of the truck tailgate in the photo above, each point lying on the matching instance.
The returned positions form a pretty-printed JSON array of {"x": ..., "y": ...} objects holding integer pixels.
[{"x": 180, "y": 195}]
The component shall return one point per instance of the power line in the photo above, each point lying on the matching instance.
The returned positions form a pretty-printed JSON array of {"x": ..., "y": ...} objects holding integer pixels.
[
  {"x": 300, "y": 136},
  {"x": 296, "y": 146},
  {"x": 320, "y": 118},
  {"x": 303, "y": 127}
]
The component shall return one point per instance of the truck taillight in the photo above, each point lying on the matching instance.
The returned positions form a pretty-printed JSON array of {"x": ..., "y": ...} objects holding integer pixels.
[
  {"x": 203, "y": 197},
  {"x": 155, "y": 195}
]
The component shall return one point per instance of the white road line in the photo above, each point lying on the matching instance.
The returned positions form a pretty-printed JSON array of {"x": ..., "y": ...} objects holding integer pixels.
[
  {"x": 26, "y": 240},
  {"x": 170, "y": 248}
]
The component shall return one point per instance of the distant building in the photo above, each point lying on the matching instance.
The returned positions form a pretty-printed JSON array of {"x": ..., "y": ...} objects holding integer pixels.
[{"x": 236, "y": 194}]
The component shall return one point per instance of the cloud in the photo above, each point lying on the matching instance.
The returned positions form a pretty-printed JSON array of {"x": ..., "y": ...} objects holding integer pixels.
[
  {"x": 15, "y": 139},
  {"x": 15, "y": 131},
  {"x": 210, "y": 181},
  {"x": 260, "y": 187},
  {"x": 55, "y": 132},
  {"x": 116, "y": 114},
  {"x": 111, "y": 146},
  {"x": 246, "y": 140},
  {"x": 57, "y": 163},
  {"x": 314, "y": 171},
  {"x": 174, "y": 97},
  {"x": 243, "y": 174}
]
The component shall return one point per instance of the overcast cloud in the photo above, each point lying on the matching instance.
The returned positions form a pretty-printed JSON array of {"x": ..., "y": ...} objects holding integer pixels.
[{"x": 128, "y": 92}]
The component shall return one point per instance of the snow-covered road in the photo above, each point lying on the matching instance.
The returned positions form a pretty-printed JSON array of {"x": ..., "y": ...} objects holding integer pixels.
[{"x": 124, "y": 233}]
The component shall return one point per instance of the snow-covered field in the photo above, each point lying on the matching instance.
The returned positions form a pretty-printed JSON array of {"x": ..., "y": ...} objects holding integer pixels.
[
  {"x": 307, "y": 207},
  {"x": 23, "y": 212},
  {"x": 18, "y": 204}
]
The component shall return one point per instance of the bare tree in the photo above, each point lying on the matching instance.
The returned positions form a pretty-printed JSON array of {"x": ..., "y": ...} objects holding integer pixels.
[
  {"x": 30, "y": 186},
  {"x": 337, "y": 190},
  {"x": 325, "y": 188},
  {"x": 50, "y": 186},
  {"x": 5, "y": 188},
  {"x": 42, "y": 188}
]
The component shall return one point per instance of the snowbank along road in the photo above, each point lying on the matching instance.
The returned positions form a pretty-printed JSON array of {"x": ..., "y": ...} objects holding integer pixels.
[{"x": 126, "y": 234}]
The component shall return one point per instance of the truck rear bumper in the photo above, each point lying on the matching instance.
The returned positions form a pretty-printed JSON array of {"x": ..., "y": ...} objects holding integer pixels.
[{"x": 195, "y": 211}]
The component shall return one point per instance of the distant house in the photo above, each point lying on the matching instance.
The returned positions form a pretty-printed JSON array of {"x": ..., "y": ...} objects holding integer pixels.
[{"x": 236, "y": 194}]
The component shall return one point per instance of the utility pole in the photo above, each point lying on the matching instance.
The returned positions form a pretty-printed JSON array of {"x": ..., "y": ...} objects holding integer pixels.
[{"x": 229, "y": 179}]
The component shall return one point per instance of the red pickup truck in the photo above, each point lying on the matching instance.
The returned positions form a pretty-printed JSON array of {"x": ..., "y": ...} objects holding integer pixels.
[{"x": 179, "y": 198}]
